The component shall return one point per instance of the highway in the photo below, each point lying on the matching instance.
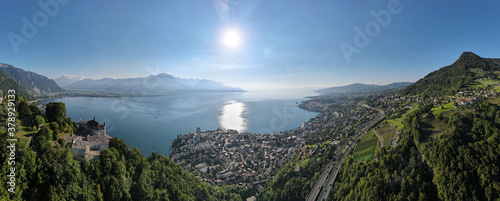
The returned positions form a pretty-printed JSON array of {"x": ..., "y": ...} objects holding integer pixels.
[
  {"x": 319, "y": 183},
  {"x": 321, "y": 186}
]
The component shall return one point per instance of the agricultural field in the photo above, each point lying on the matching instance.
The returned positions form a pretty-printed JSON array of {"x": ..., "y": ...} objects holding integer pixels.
[
  {"x": 386, "y": 132},
  {"x": 366, "y": 146}
]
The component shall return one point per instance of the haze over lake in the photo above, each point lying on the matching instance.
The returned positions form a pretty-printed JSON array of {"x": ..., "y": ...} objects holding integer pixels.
[{"x": 152, "y": 123}]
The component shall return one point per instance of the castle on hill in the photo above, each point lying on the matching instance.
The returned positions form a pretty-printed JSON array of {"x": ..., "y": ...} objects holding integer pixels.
[
  {"x": 94, "y": 128},
  {"x": 91, "y": 141}
]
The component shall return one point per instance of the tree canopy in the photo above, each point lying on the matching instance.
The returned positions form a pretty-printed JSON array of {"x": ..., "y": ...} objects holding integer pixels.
[{"x": 55, "y": 111}]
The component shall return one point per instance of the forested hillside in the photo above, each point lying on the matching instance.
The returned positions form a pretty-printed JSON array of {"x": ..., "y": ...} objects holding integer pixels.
[
  {"x": 7, "y": 83},
  {"x": 47, "y": 172},
  {"x": 459, "y": 163},
  {"x": 31, "y": 81},
  {"x": 450, "y": 79}
]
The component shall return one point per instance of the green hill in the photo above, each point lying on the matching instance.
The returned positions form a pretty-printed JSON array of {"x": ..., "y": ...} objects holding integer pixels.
[
  {"x": 7, "y": 83},
  {"x": 121, "y": 173},
  {"x": 450, "y": 79},
  {"x": 45, "y": 171},
  {"x": 451, "y": 159}
]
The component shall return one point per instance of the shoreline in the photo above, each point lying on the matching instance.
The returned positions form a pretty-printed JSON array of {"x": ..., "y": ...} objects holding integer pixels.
[{"x": 292, "y": 105}]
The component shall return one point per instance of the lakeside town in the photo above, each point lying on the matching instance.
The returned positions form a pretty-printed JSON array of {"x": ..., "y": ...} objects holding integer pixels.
[{"x": 225, "y": 156}]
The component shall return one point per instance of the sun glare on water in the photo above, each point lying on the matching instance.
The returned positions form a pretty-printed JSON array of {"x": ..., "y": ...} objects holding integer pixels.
[{"x": 231, "y": 116}]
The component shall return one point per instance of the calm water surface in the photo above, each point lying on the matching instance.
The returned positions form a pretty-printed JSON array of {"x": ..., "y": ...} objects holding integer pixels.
[{"x": 152, "y": 123}]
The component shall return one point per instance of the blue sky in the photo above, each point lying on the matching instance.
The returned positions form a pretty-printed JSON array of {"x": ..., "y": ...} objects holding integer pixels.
[{"x": 284, "y": 43}]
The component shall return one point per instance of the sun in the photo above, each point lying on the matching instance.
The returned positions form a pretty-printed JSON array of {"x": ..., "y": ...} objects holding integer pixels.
[{"x": 231, "y": 38}]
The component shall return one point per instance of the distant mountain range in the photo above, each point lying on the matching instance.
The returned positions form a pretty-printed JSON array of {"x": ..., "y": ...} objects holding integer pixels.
[
  {"x": 29, "y": 84},
  {"x": 450, "y": 79},
  {"x": 35, "y": 83},
  {"x": 362, "y": 88},
  {"x": 66, "y": 80},
  {"x": 161, "y": 84}
]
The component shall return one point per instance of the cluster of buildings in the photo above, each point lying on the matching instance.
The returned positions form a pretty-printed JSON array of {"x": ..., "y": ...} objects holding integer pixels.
[
  {"x": 461, "y": 98},
  {"x": 226, "y": 156},
  {"x": 469, "y": 97},
  {"x": 90, "y": 140}
]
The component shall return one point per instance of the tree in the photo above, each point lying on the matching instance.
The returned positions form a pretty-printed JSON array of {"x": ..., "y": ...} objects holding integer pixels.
[
  {"x": 61, "y": 141},
  {"x": 39, "y": 120},
  {"x": 54, "y": 126},
  {"x": 440, "y": 116},
  {"x": 55, "y": 111},
  {"x": 45, "y": 132},
  {"x": 24, "y": 109},
  {"x": 35, "y": 110}
]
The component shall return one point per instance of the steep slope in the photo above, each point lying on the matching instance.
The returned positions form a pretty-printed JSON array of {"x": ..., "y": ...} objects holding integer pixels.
[
  {"x": 496, "y": 60},
  {"x": 121, "y": 173},
  {"x": 32, "y": 81},
  {"x": 450, "y": 79},
  {"x": 455, "y": 158},
  {"x": 7, "y": 83}
]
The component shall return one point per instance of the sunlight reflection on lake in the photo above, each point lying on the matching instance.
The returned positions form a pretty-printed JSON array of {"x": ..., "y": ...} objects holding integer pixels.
[{"x": 231, "y": 116}]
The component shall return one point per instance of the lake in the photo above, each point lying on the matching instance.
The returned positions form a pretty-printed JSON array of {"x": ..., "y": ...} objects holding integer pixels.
[{"x": 152, "y": 123}]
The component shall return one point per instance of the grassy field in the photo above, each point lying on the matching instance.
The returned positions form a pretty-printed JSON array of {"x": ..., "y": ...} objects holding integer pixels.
[
  {"x": 395, "y": 122},
  {"x": 387, "y": 129},
  {"x": 484, "y": 83},
  {"x": 386, "y": 132},
  {"x": 366, "y": 146},
  {"x": 461, "y": 110},
  {"x": 438, "y": 110},
  {"x": 495, "y": 101},
  {"x": 24, "y": 128},
  {"x": 432, "y": 127}
]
